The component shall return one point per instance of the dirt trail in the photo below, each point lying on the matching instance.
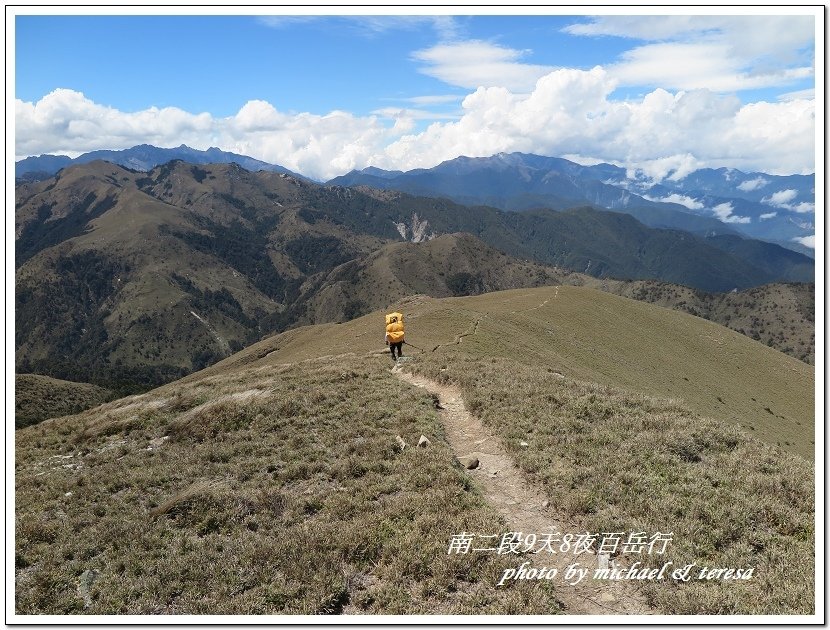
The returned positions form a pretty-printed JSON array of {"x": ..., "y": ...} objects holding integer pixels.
[
  {"x": 472, "y": 330},
  {"x": 522, "y": 505},
  {"x": 538, "y": 306}
]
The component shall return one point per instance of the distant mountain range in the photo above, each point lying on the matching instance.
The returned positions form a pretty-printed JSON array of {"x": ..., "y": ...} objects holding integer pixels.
[
  {"x": 143, "y": 157},
  {"x": 768, "y": 207},
  {"x": 126, "y": 277},
  {"x": 705, "y": 202}
]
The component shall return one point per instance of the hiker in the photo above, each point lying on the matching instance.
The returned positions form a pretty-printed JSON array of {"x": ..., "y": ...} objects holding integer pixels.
[{"x": 394, "y": 333}]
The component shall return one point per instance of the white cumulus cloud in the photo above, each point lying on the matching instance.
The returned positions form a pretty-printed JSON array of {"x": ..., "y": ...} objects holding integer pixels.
[
  {"x": 783, "y": 199},
  {"x": 321, "y": 146},
  {"x": 66, "y": 122},
  {"x": 804, "y": 207},
  {"x": 753, "y": 184},
  {"x": 723, "y": 211},
  {"x": 807, "y": 241},
  {"x": 780, "y": 198},
  {"x": 567, "y": 112},
  {"x": 768, "y": 215},
  {"x": 570, "y": 112},
  {"x": 683, "y": 200}
]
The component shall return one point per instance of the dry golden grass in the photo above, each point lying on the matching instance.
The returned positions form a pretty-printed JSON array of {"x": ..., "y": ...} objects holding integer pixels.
[
  {"x": 266, "y": 492},
  {"x": 272, "y": 482},
  {"x": 781, "y": 316},
  {"x": 618, "y": 461},
  {"x": 591, "y": 336}
]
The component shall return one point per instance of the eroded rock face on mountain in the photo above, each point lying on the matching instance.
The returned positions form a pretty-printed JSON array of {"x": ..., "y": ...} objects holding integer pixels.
[{"x": 416, "y": 230}]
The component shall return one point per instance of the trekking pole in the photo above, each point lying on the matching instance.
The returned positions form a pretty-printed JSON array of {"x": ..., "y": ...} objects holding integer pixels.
[{"x": 416, "y": 347}]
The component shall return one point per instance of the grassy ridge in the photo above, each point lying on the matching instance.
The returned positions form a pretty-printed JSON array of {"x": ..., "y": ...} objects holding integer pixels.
[
  {"x": 275, "y": 491},
  {"x": 629, "y": 344},
  {"x": 593, "y": 336},
  {"x": 622, "y": 462},
  {"x": 270, "y": 483}
]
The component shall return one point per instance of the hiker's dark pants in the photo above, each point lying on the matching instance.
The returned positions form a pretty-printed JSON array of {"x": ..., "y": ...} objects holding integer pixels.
[{"x": 399, "y": 346}]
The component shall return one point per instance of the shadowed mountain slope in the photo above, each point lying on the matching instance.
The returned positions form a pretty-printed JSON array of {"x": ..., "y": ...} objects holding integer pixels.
[
  {"x": 37, "y": 398},
  {"x": 130, "y": 279}
]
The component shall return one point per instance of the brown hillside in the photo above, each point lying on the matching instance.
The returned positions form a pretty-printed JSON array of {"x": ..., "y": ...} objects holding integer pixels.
[
  {"x": 132, "y": 279},
  {"x": 594, "y": 336},
  {"x": 781, "y": 316},
  {"x": 449, "y": 265},
  {"x": 275, "y": 482},
  {"x": 37, "y": 398}
]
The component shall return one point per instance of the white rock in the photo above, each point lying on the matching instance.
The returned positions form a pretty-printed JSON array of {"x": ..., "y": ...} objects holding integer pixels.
[{"x": 401, "y": 443}]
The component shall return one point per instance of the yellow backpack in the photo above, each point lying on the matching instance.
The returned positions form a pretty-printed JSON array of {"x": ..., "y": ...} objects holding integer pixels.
[
  {"x": 394, "y": 327},
  {"x": 394, "y": 317}
]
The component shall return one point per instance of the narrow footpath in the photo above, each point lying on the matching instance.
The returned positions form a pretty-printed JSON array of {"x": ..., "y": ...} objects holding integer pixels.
[{"x": 525, "y": 507}]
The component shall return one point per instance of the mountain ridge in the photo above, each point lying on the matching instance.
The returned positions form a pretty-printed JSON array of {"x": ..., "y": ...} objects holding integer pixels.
[
  {"x": 707, "y": 201},
  {"x": 583, "y": 333},
  {"x": 147, "y": 276},
  {"x": 142, "y": 157}
]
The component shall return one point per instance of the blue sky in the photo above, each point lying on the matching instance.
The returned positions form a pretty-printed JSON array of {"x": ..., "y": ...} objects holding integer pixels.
[
  {"x": 325, "y": 94},
  {"x": 359, "y": 64},
  {"x": 318, "y": 64}
]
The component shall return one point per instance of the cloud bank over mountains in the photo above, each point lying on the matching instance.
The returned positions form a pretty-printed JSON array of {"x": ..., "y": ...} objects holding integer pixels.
[
  {"x": 569, "y": 113},
  {"x": 667, "y": 105}
]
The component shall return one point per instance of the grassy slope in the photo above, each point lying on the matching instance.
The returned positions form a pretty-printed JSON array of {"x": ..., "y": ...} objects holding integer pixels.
[
  {"x": 591, "y": 335},
  {"x": 262, "y": 451},
  {"x": 778, "y": 315},
  {"x": 620, "y": 462},
  {"x": 781, "y": 316},
  {"x": 629, "y": 344},
  {"x": 262, "y": 491},
  {"x": 37, "y": 398}
]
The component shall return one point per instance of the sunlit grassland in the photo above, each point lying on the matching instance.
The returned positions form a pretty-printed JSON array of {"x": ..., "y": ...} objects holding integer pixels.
[
  {"x": 265, "y": 491},
  {"x": 271, "y": 483},
  {"x": 620, "y": 462},
  {"x": 592, "y": 336}
]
